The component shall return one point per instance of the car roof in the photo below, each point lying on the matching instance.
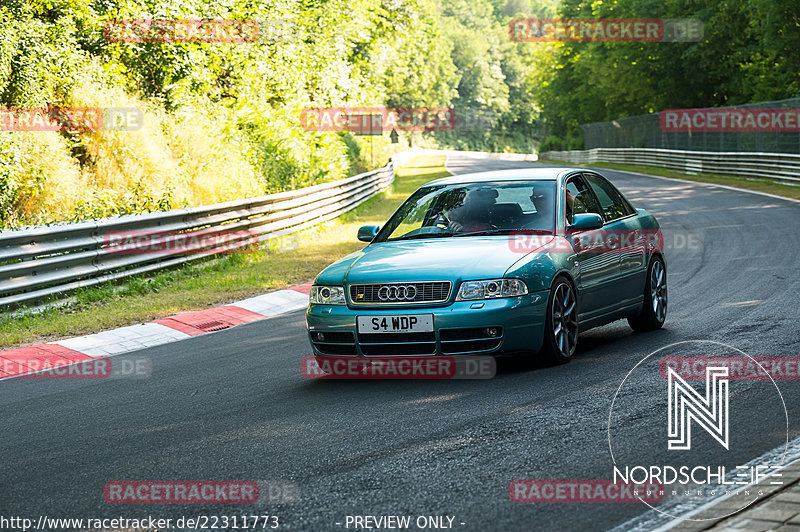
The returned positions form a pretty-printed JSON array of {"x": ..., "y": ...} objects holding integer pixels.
[{"x": 522, "y": 174}]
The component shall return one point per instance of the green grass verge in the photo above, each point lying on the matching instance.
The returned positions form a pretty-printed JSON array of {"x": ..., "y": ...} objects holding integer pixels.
[
  {"x": 759, "y": 185},
  {"x": 284, "y": 262}
]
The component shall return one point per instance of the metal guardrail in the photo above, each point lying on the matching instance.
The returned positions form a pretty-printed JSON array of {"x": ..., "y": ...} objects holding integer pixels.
[
  {"x": 41, "y": 262},
  {"x": 778, "y": 166}
]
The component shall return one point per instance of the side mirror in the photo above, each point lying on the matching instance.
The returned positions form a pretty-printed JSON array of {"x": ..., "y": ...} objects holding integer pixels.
[
  {"x": 367, "y": 232},
  {"x": 586, "y": 222}
]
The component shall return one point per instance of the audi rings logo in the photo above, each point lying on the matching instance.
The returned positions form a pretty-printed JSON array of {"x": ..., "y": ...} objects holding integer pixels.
[{"x": 394, "y": 292}]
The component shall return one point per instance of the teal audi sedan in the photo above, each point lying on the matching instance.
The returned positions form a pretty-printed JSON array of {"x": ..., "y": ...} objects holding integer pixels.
[{"x": 513, "y": 262}]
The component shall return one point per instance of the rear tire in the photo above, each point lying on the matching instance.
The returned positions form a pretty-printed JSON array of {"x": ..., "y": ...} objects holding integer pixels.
[
  {"x": 654, "y": 308},
  {"x": 561, "y": 329}
]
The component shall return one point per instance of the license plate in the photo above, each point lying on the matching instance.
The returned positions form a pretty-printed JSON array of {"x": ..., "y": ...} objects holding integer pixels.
[{"x": 395, "y": 324}]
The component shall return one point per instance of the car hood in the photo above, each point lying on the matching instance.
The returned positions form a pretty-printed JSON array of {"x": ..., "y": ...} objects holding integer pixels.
[{"x": 453, "y": 259}]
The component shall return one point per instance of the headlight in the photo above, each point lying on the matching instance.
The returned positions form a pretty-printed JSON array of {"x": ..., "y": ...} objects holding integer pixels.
[
  {"x": 328, "y": 295},
  {"x": 491, "y": 289}
]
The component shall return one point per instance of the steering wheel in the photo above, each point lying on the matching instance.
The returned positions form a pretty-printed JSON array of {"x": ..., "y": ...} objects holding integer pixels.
[{"x": 442, "y": 220}]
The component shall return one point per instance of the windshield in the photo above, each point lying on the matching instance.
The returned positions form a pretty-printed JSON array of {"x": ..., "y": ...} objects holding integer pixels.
[{"x": 461, "y": 210}]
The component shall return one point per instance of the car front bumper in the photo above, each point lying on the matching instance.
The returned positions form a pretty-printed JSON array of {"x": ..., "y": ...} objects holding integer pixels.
[{"x": 460, "y": 328}]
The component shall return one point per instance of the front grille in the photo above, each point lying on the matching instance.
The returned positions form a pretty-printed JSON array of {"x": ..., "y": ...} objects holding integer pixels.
[
  {"x": 337, "y": 349},
  {"x": 470, "y": 346},
  {"x": 387, "y": 344},
  {"x": 400, "y": 293},
  {"x": 396, "y": 338},
  {"x": 460, "y": 341},
  {"x": 473, "y": 340},
  {"x": 427, "y": 348},
  {"x": 334, "y": 343}
]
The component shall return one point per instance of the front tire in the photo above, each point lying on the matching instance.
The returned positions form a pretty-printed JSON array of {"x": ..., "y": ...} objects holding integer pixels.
[
  {"x": 654, "y": 308},
  {"x": 561, "y": 330}
]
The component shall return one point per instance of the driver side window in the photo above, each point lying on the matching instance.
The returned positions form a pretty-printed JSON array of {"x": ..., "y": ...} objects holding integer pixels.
[
  {"x": 580, "y": 198},
  {"x": 613, "y": 204}
]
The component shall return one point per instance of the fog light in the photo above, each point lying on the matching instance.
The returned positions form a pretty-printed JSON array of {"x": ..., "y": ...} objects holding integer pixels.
[{"x": 492, "y": 332}]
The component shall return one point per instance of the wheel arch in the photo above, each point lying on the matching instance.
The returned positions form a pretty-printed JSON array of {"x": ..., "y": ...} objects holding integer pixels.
[{"x": 569, "y": 277}]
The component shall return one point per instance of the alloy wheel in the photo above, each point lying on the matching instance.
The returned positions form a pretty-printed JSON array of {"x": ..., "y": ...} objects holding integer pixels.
[
  {"x": 565, "y": 319},
  {"x": 658, "y": 290}
]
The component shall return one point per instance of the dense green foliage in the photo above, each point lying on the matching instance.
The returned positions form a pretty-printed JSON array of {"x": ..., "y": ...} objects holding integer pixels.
[
  {"x": 750, "y": 52},
  {"x": 222, "y": 119},
  {"x": 232, "y": 109}
]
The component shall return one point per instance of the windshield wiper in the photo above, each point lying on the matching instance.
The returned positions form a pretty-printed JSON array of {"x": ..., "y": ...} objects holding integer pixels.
[
  {"x": 488, "y": 232},
  {"x": 421, "y": 235},
  {"x": 507, "y": 232}
]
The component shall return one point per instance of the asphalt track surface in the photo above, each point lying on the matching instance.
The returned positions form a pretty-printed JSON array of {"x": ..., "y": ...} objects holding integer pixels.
[{"x": 233, "y": 405}]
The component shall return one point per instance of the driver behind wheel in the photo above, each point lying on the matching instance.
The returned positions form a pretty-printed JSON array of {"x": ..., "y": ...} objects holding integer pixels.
[
  {"x": 473, "y": 214},
  {"x": 542, "y": 200}
]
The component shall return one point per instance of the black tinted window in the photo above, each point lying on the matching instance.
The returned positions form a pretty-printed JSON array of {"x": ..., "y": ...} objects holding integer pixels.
[
  {"x": 580, "y": 198},
  {"x": 611, "y": 202}
]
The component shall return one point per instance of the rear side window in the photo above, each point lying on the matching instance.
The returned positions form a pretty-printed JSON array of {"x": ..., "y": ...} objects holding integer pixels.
[{"x": 612, "y": 203}]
